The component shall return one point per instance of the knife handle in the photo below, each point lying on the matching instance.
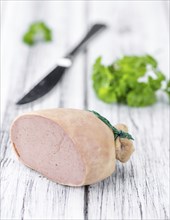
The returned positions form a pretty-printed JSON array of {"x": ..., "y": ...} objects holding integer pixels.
[{"x": 94, "y": 29}]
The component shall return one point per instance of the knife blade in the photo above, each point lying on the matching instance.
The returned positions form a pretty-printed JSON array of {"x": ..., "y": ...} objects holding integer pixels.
[{"x": 49, "y": 81}]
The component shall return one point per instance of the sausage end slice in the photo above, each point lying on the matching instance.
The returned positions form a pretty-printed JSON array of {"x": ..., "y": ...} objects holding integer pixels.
[{"x": 49, "y": 151}]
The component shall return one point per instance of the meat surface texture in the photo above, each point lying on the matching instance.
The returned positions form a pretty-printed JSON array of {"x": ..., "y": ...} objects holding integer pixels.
[{"x": 69, "y": 146}]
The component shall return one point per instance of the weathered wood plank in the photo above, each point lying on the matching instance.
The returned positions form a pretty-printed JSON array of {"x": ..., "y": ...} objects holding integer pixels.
[
  {"x": 26, "y": 194},
  {"x": 135, "y": 190},
  {"x": 138, "y": 189}
]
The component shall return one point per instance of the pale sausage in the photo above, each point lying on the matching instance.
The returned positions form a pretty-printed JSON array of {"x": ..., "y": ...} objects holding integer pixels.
[{"x": 69, "y": 146}]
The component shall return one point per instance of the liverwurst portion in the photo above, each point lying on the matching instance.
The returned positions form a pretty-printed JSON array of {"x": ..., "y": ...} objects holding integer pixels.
[{"x": 68, "y": 146}]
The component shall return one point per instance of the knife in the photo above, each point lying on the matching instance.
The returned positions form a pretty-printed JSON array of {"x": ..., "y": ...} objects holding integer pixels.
[{"x": 50, "y": 80}]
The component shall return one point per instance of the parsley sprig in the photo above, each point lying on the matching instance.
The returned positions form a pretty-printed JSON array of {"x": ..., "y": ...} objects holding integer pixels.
[
  {"x": 132, "y": 80},
  {"x": 38, "y": 31}
]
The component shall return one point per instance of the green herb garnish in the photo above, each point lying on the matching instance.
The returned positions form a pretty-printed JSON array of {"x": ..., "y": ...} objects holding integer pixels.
[
  {"x": 37, "y": 31},
  {"x": 116, "y": 132},
  {"x": 132, "y": 80},
  {"x": 167, "y": 89}
]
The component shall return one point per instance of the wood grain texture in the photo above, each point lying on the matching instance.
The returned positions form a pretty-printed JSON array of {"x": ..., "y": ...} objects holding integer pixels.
[{"x": 138, "y": 189}]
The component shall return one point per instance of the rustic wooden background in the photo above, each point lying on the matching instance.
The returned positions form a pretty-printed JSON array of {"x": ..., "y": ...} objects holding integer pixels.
[{"x": 138, "y": 189}]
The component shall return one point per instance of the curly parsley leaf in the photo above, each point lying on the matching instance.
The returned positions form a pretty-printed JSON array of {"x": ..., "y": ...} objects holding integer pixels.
[
  {"x": 167, "y": 89},
  {"x": 142, "y": 96},
  {"x": 37, "y": 31},
  {"x": 132, "y": 80}
]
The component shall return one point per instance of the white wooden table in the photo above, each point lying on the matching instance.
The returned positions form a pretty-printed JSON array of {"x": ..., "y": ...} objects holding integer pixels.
[{"x": 138, "y": 189}]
